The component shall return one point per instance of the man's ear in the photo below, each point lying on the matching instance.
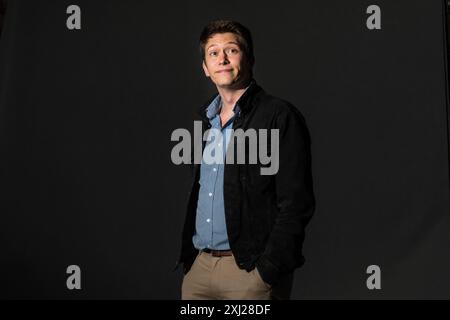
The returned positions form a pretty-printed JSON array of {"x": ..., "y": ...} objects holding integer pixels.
[{"x": 205, "y": 69}]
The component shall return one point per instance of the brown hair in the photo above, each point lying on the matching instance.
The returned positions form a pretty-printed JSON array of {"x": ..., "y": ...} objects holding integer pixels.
[{"x": 243, "y": 35}]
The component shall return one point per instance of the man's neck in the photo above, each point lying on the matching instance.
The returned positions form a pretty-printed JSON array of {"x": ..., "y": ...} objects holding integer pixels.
[{"x": 229, "y": 97}]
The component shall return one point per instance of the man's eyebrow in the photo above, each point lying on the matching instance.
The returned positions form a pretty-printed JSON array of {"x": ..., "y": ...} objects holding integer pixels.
[{"x": 230, "y": 42}]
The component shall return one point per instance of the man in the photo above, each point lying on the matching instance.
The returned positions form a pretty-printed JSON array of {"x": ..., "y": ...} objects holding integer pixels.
[{"x": 244, "y": 231}]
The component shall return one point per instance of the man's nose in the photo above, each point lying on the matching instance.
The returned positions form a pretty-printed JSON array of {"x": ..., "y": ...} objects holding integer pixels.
[{"x": 223, "y": 58}]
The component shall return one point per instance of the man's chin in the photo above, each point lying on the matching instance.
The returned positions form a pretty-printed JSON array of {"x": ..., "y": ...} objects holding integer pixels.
[
  {"x": 224, "y": 81},
  {"x": 229, "y": 84}
]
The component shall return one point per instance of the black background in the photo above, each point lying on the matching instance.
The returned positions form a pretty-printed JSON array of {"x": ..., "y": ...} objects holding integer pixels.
[{"x": 86, "y": 117}]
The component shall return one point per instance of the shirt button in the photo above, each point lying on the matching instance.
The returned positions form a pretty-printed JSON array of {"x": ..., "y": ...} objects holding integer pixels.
[
  {"x": 208, "y": 220},
  {"x": 218, "y": 144},
  {"x": 210, "y": 194},
  {"x": 214, "y": 169}
]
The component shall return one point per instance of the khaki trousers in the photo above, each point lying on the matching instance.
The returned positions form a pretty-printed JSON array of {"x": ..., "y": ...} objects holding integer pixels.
[{"x": 220, "y": 278}]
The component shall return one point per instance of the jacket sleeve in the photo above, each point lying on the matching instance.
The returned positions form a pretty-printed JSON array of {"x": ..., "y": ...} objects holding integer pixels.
[{"x": 295, "y": 198}]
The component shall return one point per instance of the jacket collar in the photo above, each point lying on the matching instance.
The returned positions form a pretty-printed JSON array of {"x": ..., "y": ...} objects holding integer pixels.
[{"x": 245, "y": 102}]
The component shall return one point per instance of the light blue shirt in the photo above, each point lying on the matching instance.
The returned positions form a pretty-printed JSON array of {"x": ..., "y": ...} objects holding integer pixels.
[{"x": 210, "y": 225}]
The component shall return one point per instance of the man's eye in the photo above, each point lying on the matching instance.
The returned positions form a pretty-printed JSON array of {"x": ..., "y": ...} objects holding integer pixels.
[{"x": 213, "y": 53}]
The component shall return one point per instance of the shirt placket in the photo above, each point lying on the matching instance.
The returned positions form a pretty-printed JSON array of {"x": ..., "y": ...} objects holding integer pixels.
[{"x": 215, "y": 172}]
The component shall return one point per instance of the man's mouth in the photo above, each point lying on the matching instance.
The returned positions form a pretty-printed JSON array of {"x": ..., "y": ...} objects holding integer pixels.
[{"x": 226, "y": 70}]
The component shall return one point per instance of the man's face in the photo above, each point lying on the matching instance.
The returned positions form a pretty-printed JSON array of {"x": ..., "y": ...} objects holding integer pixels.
[{"x": 224, "y": 61}]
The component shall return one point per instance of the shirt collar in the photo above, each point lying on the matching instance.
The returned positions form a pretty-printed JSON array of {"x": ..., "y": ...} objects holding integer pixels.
[{"x": 214, "y": 107}]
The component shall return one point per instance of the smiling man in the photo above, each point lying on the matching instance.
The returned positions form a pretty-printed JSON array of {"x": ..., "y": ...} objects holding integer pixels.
[{"x": 244, "y": 231}]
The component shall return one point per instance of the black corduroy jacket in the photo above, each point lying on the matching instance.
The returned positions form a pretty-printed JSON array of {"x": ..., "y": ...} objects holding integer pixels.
[{"x": 265, "y": 215}]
